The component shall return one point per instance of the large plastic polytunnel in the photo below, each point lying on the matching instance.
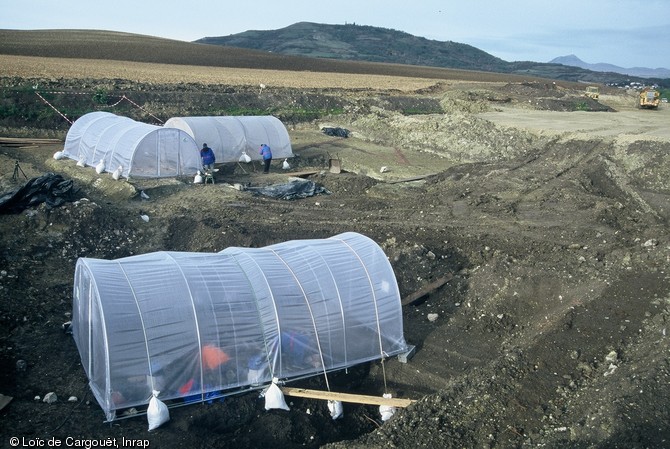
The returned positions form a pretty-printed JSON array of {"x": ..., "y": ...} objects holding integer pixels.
[
  {"x": 231, "y": 136},
  {"x": 200, "y": 325},
  {"x": 140, "y": 149}
]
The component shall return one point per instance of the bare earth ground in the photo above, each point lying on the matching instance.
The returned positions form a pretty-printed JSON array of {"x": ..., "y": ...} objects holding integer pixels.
[{"x": 551, "y": 333}]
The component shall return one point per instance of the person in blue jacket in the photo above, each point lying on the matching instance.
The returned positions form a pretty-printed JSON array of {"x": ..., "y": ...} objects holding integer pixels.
[
  {"x": 207, "y": 156},
  {"x": 266, "y": 152}
]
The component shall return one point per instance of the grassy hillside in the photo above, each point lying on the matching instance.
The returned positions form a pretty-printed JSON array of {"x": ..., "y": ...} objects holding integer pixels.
[
  {"x": 366, "y": 43},
  {"x": 109, "y": 45},
  {"x": 116, "y": 46},
  {"x": 300, "y": 47},
  {"x": 363, "y": 43}
]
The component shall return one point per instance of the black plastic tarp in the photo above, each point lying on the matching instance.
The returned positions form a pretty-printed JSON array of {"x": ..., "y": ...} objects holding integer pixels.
[
  {"x": 292, "y": 190},
  {"x": 50, "y": 188},
  {"x": 335, "y": 132}
]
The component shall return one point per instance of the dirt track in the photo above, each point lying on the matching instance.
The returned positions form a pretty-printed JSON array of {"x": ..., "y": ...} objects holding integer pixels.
[
  {"x": 551, "y": 333},
  {"x": 625, "y": 126}
]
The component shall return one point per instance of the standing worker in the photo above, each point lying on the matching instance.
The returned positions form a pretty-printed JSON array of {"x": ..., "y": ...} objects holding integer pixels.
[
  {"x": 266, "y": 152},
  {"x": 207, "y": 157}
]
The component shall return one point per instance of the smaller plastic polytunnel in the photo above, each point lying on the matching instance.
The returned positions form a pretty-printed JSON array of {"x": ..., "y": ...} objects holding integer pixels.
[
  {"x": 200, "y": 325},
  {"x": 140, "y": 149},
  {"x": 231, "y": 136}
]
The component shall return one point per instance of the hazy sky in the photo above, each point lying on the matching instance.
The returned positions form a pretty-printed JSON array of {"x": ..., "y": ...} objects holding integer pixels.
[{"x": 627, "y": 33}]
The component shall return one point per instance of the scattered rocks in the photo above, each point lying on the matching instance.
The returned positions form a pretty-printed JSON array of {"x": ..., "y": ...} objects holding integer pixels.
[
  {"x": 50, "y": 398},
  {"x": 610, "y": 369},
  {"x": 611, "y": 357},
  {"x": 650, "y": 243}
]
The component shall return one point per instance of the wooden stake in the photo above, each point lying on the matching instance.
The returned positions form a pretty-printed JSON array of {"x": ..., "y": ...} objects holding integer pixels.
[
  {"x": 427, "y": 289},
  {"x": 18, "y": 141},
  {"x": 346, "y": 397},
  {"x": 415, "y": 178}
]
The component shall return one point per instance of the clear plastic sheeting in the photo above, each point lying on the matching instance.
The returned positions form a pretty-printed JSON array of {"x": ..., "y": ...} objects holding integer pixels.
[
  {"x": 140, "y": 149},
  {"x": 197, "y": 326},
  {"x": 231, "y": 137}
]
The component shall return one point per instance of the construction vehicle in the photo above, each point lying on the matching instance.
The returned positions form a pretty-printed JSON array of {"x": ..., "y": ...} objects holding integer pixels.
[
  {"x": 648, "y": 99},
  {"x": 592, "y": 92}
]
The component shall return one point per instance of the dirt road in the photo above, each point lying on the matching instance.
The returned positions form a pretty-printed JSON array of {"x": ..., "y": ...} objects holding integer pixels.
[{"x": 625, "y": 126}]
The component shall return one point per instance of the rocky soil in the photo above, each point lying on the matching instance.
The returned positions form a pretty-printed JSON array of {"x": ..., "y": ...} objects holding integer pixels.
[{"x": 548, "y": 212}]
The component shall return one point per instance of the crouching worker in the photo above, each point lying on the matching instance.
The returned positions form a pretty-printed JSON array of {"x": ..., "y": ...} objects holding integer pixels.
[{"x": 213, "y": 360}]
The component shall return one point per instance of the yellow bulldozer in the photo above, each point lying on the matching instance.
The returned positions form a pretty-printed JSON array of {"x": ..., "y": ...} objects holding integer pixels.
[
  {"x": 592, "y": 92},
  {"x": 648, "y": 99}
]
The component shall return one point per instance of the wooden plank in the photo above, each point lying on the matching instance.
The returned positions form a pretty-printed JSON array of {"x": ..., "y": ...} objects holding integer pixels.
[
  {"x": 300, "y": 174},
  {"x": 346, "y": 397},
  {"x": 27, "y": 141},
  {"x": 415, "y": 178},
  {"x": 410, "y": 299}
]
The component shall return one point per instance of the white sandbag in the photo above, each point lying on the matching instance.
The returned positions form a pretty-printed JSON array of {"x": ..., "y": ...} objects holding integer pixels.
[
  {"x": 58, "y": 155},
  {"x": 100, "y": 168},
  {"x": 157, "y": 413},
  {"x": 274, "y": 398},
  {"x": 245, "y": 157},
  {"x": 285, "y": 165},
  {"x": 386, "y": 410},
  {"x": 336, "y": 410}
]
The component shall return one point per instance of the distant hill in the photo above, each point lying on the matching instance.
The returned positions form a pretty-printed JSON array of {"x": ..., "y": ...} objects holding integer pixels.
[
  {"x": 117, "y": 46},
  {"x": 112, "y": 45},
  {"x": 642, "y": 72},
  {"x": 431, "y": 59},
  {"x": 367, "y": 43},
  {"x": 362, "y": 43}
]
